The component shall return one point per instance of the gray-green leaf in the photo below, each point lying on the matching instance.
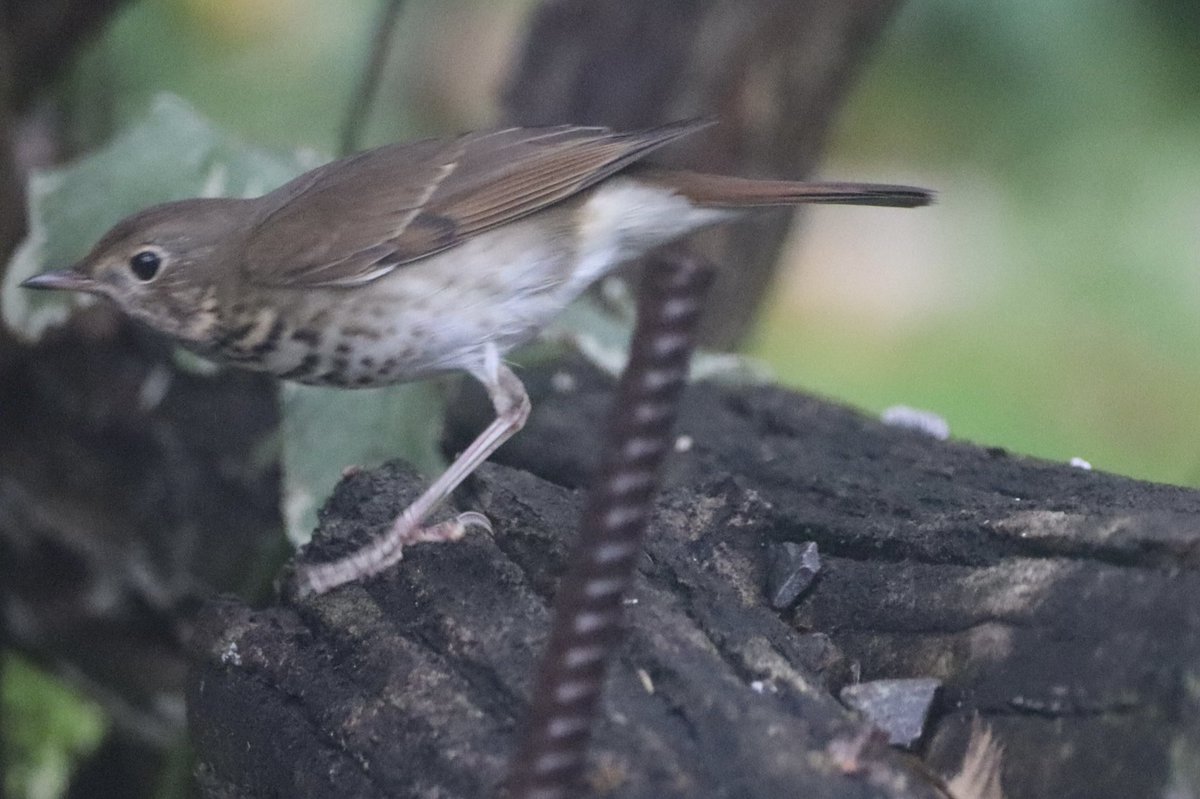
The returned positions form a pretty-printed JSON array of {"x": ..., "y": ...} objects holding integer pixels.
[{"x": 328, "y": 430}]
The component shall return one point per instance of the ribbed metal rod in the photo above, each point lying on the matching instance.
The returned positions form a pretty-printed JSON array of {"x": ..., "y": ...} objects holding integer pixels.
[{"x": 586, "y": 630}]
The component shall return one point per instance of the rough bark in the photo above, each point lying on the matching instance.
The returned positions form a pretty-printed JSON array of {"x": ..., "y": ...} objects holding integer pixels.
[
  {"x": 1057, "y": 603},
  {"x": 773, "y": 72}
]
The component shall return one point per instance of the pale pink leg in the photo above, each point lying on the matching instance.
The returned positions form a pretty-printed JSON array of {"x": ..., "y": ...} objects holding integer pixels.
[{"x": 512, "y": 409}]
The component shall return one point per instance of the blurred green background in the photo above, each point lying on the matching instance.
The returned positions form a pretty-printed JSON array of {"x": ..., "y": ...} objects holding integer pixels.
[{"x": 1048, "y": 304}]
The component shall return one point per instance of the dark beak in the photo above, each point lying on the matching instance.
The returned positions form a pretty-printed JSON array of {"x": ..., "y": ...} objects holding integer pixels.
[{"x": 62, "y": 279}]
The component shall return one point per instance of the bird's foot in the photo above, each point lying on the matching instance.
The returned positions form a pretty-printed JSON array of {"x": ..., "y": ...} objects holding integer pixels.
[{"x": 386, "y": 551}]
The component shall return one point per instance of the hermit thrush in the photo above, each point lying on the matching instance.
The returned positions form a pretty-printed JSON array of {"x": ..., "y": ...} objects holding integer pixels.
[{"x": 416, "y": 259}]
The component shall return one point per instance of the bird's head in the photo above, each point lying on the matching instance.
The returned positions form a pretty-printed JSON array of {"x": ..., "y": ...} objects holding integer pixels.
[{"x": 160, "y": 266}]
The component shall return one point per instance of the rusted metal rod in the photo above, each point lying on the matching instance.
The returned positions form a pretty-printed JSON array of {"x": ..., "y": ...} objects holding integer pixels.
[{"x": 588, "y": 608}]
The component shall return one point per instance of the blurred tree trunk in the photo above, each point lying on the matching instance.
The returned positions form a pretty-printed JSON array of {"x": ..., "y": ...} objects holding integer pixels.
[
  {"x": 39, "y": 40},
  {"x": 45, "y": 36},
  {"x": 774, "y": 72},
  {"x": 12, "y": 200}
]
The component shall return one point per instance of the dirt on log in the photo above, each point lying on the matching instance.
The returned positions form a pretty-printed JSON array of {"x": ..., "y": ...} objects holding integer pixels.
[{"x": 1061, "y": 606}]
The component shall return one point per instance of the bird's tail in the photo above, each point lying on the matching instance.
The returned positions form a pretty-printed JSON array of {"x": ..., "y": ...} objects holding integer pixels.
[{"x": 720, "y": 191}]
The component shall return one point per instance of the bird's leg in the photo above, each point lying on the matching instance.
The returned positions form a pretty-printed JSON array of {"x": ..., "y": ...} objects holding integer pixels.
[{"x": 512, "y": 409}]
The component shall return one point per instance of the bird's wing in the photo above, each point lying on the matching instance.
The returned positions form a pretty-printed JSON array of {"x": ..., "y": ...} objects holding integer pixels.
[{"x": 357, "y": 219}]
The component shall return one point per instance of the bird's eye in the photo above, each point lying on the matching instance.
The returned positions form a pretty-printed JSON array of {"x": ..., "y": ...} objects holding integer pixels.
[{"x": 145, "y": 265}]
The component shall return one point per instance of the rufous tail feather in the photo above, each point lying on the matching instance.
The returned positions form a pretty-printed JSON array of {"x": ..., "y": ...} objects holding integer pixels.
[{"x": 720, "y": 191}]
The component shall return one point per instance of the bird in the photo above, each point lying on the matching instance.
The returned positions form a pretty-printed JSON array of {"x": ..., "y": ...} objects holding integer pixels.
[{"x": 416, "y": 259}]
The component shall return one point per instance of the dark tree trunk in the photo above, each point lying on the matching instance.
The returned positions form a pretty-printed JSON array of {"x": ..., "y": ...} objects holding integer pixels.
[
  {"x": 773, "y": 72},
  {"x": 1059, "y": 604},
  {"x": 44, "y": 37},
  {"x": 39, "y": 40}
]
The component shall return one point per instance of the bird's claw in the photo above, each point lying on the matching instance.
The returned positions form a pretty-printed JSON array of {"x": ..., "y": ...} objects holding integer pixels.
[{"x": 451, "y": 530}]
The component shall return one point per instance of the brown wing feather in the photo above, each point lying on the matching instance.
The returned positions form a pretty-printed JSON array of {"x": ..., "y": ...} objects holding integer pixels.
[
  {"x": 355, "y": 220},
  {"x": 330, "y": 226}
]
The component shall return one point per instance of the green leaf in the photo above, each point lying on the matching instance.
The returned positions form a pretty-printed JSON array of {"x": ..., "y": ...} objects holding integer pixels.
[{"x": 49, "y": 728}]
